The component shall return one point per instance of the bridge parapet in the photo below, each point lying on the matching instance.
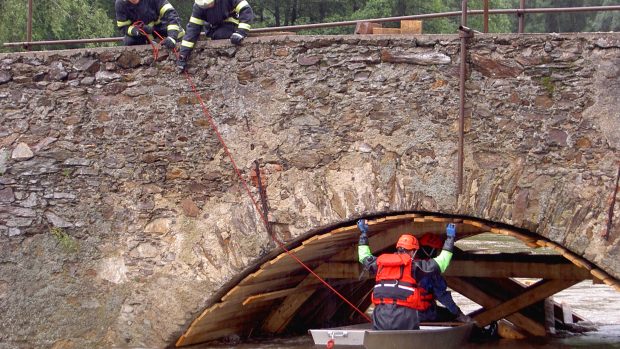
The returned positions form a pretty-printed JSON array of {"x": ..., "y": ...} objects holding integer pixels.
[{"x": 117, "y": 197}]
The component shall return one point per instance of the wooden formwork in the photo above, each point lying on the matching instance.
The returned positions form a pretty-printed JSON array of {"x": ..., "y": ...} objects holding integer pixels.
[{"x": 283, "y": 292}]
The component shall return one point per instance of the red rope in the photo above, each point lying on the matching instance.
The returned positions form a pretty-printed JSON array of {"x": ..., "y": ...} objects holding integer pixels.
[
  {"x": 247, "y": 189},
  {"x": 154, "y": 45}
]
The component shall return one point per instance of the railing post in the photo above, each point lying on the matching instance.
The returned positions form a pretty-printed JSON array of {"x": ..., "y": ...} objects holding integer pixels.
[
  {"x": 521, "y": 16},
  {"x": 464, "y": 33},
  {"x": 486, "y": 16},
  {"x": 29, "y": 26}
]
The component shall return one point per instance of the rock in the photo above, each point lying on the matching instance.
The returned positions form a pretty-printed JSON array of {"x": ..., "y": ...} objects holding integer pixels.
[
  {"x": 87, "y": 64},
  {"x": 22, "y": 152},
  {"x": 424, "y": 58},
  {"x": 57, "y": 72},
  {"x": 5, "y": 77},
  {"x": 496, "y": 68},
  {"x": 308, "y": 59},
  {"x": 87, "y": 81},
  {"x": 158, "y": 226},
  {"x": 105, "y": 76},
  {"x": 113, "y": 269},
  {"x": 4, "y": 159},
  {"x": 7, "y": 195},
  {"x": 129, "y": 59},
  {"x": 57, "y": 221},
  {"x": 189, "y": 207}
]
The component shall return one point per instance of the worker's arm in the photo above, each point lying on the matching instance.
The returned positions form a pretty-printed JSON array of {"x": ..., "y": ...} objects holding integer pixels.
[
  {"x": 194, "y": 26},
  {"x": 170, "y": 18},
  {"x": 444, "y": 258},
  {"x": 123, "y": 23},
  {"x": 364, "y": 255}
]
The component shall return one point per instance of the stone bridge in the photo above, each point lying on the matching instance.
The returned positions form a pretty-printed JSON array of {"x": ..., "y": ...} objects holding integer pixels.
[{"x": 122, "y": 218}]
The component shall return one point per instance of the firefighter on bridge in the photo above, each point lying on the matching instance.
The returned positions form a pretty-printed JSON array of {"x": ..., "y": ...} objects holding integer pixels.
[
  {"x": 138, "y": 20},
  {"x": 222, "y": 19}
]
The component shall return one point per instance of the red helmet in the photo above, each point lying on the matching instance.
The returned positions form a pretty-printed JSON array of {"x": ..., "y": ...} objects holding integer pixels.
[
  {"x": 431, "y": 240},
  {"x": 408, "y": 242}
]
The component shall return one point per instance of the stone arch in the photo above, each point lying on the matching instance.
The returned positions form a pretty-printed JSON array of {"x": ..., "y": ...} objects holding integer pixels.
[{"x": 280, "y": 293}]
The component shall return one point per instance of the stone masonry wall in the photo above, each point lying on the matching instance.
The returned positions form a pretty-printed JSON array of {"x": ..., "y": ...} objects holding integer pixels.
[{"x": 121, "y": 216}]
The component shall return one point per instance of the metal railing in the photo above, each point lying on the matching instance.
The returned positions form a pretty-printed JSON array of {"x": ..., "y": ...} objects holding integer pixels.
[{"x": 520, "y": 13}]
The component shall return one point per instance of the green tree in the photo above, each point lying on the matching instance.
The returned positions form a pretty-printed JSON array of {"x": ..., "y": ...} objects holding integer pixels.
[{"x": 55, "y": 20}]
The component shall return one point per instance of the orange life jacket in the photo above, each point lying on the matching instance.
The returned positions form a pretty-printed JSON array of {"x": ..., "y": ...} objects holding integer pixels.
[{"x": 395, "y": 284}]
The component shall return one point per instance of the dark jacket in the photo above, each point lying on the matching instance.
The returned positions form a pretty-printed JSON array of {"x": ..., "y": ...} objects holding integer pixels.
[
  {"x": 237, "y": 13},
  {"x": 159, "y": 14},
  {"x": 436, "y": 285}
]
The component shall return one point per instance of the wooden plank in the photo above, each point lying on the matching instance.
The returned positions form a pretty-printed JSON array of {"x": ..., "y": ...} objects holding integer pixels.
[
  {"x": 269, "y": 296},
  {"x": 411, "y": 27},
  {"x": 567, "y": 313},
  {"x": 600, "y": 274},
  {"x": 578, "y": 261},
  {"x": 472, "y": 292},
  {"x": 533, "y": 294},
  {"x": 477, "y": 224},
  {"x": 271, "y": 285},
  {"x": 549, "y": 316},
  {"x": 471, "y": 268},
  {"x": 509, "y": 331},
  {"x": 280, "y": 317},
  {"x": 334, "y": 270},
  {"x": 283, "y": 293},
  {"x": 200, "y": 337},
  {"x": 223, "y": 310},
  {"x": 247, "y": 315}
]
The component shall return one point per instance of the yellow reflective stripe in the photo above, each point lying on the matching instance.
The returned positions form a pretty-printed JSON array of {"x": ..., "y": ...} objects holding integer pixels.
[
  {"x": 195, "y": 20},
  {"x": 181, "y": 34},
  {"x": 187, "y": 44},
  {"x": 244, "y": 26},
  {"x": 123, "y": 23},
  {"x": 173, "y": 27},
  {"x": 231, "y": 20},
  {"x": 130, "y": 29},
  {"x": 241, "y": 5},
  {"x": 165, "y": 8}
]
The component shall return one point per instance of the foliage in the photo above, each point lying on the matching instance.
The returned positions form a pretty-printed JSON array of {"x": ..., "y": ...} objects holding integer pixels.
[
  {"x": 67, "y": 243},
  {"x": 55, "y": 20}
]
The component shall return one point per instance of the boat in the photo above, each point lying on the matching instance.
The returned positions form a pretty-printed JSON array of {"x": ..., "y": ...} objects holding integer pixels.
[{"x": 429, "y": 336}]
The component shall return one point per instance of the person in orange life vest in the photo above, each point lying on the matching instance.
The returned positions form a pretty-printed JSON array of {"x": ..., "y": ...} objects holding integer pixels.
[
  {"x": 156, "y": 15},
  {"x": 435, "y": 284},
  {"x": 396, "y": 295}
]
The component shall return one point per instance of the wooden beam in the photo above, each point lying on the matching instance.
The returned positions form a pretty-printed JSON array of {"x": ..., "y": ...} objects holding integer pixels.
[
  {"x": 280, "y": 317},
  {"x": 467, "y": 289},
  {"x": 533, "y": 294},
  {"x": 522, "y": 268},
  {"x": 285, "y": 292}
]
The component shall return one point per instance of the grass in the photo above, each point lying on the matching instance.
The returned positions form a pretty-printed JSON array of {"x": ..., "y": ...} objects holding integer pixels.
[{"x": 67, "y": 243}]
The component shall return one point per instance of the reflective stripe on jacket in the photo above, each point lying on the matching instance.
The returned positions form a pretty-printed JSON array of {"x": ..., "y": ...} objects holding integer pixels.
[{"x": 150, "y": 12}]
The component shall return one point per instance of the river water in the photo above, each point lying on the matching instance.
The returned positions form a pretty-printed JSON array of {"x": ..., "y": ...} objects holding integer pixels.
[{"x": 598, "y": 303}]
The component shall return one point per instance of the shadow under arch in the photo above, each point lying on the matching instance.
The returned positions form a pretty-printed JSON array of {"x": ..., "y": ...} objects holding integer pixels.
[{"x": 280, "y": 295}]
